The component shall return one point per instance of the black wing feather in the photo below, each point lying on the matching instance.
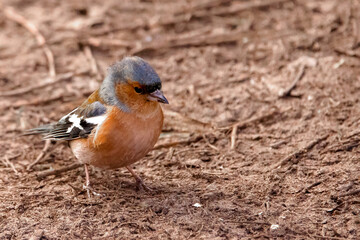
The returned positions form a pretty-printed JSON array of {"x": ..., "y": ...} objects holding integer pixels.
[{"x": 73, "y": 126}]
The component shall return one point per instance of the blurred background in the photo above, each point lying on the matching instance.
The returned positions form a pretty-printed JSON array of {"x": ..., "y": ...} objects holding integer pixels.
[{"x": 260, "y": 138}]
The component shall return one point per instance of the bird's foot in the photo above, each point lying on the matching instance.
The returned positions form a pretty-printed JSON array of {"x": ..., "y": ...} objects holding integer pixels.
[
  {"x": 89, "y": 189},
  {"x": 140, "y": 185}
]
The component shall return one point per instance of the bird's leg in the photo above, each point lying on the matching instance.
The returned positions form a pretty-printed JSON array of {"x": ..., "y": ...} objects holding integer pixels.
[
  {"x": 87, "y": 186},
  {"x": 139, "y": 182}
]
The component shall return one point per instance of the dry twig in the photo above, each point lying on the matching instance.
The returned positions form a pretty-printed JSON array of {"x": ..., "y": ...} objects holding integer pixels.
[
  {"x": 93, "y": 64},
  {"x": 37, "y": 235},
  {"x": 200, "y": 5},
  {"x": 208, "y": 143},
  {"x": 233, "y": 136},
  {"x": 9, "y": 163},
  {"x": 198, "y": 10},
  {"x": 243, "y": 124},
  {"x": 249, "y": 222},
  {"x": 354, "y": 192},
  {"x": 298, "y": 77},
  {"x": 172, "y": 144},
  {"x": 346, "y": 145},
  {"x": 169, "y": 154},
  {"x": 58, "y": 171},
  {"x": 45, "y": 83},
  {"x": 349, "y": 53},
  {"x": 326, "y": 237},
  {"x": 187, "y": 120},
  {"x": 306, "y": 189},
  {"x": 97, "y": 42},
  {"x": 34, "y": 101},
  {"x": 12, "y": 15},
  {"x": 278, "y": 144},
  {"x": 205, "y": 39},
  {"x": 237, "y": 7},
  {"x": 356, "y": 34},
  {"x": 14, "y": 156},
  {"x": 40, "y": 156},
  {"x": 301, "y": 151}
]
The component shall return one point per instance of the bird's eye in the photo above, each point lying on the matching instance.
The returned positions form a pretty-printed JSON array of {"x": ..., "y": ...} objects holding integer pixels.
[{"x": 138, "y": 90}]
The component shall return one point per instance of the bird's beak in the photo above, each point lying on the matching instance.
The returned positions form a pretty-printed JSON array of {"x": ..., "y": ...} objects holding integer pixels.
[{"x": 157, "y": 96}]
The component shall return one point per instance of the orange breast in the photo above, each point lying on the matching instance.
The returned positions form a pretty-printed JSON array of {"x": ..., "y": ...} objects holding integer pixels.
[{"x": 122, "y": 139}]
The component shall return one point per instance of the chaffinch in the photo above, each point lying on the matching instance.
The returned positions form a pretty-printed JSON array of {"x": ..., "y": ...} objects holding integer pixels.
[{"x": 118, "y": 124}]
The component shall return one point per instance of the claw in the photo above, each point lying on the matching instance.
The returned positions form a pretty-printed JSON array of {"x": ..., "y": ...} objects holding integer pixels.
[
  {"x": 89, "y": 189},
  {"x": 87, "y": 186},
  {"x": 140, "y": 185}
]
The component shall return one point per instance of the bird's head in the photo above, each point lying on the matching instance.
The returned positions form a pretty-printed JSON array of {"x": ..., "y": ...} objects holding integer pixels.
[{"x": 131, "y": 84}]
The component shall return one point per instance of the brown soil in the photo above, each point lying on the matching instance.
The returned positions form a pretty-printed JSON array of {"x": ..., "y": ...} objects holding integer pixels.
[{"x": 261, "y": 161}]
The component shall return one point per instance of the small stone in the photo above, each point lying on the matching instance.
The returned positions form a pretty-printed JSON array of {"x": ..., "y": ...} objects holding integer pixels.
[
  {"x": 197, "y": 205},
  {"x": 274, "y": 226}
]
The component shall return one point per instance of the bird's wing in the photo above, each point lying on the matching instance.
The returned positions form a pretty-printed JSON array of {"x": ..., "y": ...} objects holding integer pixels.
[{"x": 77, "y": 124}]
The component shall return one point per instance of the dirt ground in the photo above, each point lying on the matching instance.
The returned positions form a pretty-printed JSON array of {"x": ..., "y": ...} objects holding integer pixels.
[{"x": 261, "y": 137}]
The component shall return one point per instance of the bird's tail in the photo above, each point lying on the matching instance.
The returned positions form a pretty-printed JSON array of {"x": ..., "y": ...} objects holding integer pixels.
[{"x": 44, "y": 129}]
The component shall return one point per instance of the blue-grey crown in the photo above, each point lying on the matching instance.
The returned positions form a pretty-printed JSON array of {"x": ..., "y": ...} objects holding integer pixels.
[{"x": 133, "y": 69}]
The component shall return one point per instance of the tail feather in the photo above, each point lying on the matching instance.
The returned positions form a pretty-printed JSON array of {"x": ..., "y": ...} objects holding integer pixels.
[{"x": 44, "y": 129}]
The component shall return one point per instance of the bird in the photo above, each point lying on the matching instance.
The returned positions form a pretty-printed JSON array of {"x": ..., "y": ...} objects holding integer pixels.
[{"x": 118, "y": 124}]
